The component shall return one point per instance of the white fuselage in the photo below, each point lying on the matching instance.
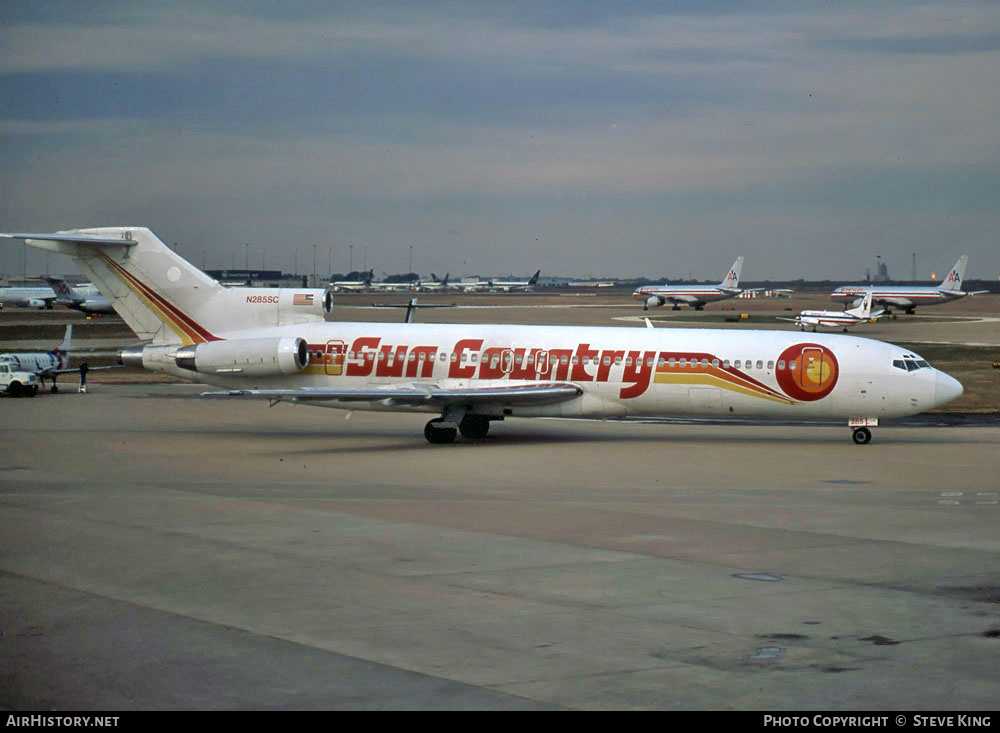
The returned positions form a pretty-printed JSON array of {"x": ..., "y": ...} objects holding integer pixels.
[
  {"x": 39, "y": 297},
  {"x": 899, "y": 296},
  {"x": 42, "y": 363},
  {"x": 693, "y": 295},
  {"x": 621, "y": 371},
  {"x": 829, "y": 319}
]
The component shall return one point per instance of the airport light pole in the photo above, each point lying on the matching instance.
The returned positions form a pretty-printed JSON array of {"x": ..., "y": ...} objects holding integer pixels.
[
  {"x": 350, "y": 249},
  {"x": 314, "y": 266},
  {"x": 246, "y": 256}
]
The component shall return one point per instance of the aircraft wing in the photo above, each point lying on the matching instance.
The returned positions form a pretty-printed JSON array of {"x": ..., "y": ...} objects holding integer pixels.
[
  {"x": 76, "y": 370},
  {"x": 676, "y": 298},
  {"x": 416, "y": 394},
  {"x": 898, "y": 302}
]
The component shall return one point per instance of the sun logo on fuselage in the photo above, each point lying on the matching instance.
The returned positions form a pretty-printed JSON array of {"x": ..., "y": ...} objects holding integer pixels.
[{"x": 811, "y": 374}]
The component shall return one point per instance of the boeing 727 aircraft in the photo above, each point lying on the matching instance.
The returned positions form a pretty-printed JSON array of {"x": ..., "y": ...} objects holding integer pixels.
[
  {"x": 907, "y": 297},
  {"x": 837, "y": 319},
  {"x": 693, "y": 295},
  {"x": 470, "y": 375}
]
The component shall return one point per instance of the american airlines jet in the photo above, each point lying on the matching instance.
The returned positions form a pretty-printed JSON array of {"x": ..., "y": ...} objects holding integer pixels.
[
  {"x": 68, "y": 296},
  {"x": 693, "y": 295},
  {"x": 275, "y": 345},
  {"x": 909, "y": 297}
]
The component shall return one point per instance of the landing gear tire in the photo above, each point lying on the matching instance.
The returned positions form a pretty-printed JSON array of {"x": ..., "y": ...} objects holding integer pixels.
[
  {"x": 54, "y": 388},
  {"x": 862, "y": 436},
  {"x": 474, "y": 427},
  {"x": 436, "y": 434}
]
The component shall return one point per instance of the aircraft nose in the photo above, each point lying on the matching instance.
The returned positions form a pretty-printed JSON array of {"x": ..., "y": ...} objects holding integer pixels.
[{"x": 946, "y": 389}]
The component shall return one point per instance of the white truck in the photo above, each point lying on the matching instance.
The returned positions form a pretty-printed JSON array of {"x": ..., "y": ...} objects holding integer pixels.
[{"x": 15, "y": 383}]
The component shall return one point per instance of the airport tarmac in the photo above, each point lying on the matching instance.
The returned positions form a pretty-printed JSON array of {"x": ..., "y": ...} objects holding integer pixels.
[
  {"x": 164, "y": 552},
  {"x": 161, "y": 552}
]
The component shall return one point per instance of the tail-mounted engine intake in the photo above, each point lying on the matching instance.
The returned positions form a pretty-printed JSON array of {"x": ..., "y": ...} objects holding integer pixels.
[
  {"x": 265, "y": 357},
  {"x": 280, "y": 306}
]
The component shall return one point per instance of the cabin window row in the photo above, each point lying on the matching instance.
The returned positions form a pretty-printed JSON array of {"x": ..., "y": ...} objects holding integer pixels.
[{"x": 681, "y": 363}]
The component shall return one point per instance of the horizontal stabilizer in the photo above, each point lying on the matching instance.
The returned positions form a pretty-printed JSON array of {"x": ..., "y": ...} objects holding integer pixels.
[{"x": 72, "y": 238}]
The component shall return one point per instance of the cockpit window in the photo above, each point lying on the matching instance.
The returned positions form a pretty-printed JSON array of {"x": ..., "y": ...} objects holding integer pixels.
[{"x": 910, "y": 365}]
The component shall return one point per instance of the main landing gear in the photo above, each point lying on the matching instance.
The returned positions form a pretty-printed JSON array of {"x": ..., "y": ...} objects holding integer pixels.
[{"x": 444, "y": 430}]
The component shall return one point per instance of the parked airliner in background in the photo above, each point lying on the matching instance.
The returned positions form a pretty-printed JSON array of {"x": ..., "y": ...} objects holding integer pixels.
[
  {"x": 437, "y": 284},
  {"x": 837, "y": 319},
  {"x": 507, "y": 286},
  {"x": 472, "y": 374},
  {"x": 909, "y": 297},
  {"x": 27, "y": 296},
  {"x": 695, "y": 296},
  {"x": 71, "y": 298},
  {"x": 354, "y": 285}
]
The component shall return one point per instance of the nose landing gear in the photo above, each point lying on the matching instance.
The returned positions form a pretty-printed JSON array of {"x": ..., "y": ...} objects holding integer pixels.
[{"x": 862, "y": 436}]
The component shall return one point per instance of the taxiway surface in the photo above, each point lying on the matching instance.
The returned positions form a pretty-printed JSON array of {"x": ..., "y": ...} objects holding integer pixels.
[{"x": 162, "y": 552}]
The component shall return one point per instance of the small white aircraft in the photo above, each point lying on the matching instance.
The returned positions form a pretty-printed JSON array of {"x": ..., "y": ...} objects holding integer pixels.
[
  {"x": 909, "y": 297},
  {"x": 68, "y": 296},
  {"x": 44, "y": 364},
  {"x": 695, "y": 296},
  {"x": 471, "y": 375},
  {"x": 837, "y": 319}
]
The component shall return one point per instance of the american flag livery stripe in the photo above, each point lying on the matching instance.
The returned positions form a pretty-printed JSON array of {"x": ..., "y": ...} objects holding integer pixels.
[{"x": 302, "y": 299}]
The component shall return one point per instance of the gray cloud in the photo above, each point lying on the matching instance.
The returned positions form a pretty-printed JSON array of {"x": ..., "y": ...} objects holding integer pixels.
[{"x": 510, "y": 137}]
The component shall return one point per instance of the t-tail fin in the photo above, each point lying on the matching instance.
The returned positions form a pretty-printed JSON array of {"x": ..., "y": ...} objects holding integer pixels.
[
  {"x": 67, "y": 342},
  {"x": 166, "y": 299},
  {"x": 956, "y": 277},
  {"x": 732, "y": 279},
  {"x": 863, "y": 311},
  {"x": 63, "y": 289}
]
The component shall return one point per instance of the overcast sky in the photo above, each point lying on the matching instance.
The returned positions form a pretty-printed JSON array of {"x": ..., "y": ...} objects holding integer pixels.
[{"x": 656, "y": 139}]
